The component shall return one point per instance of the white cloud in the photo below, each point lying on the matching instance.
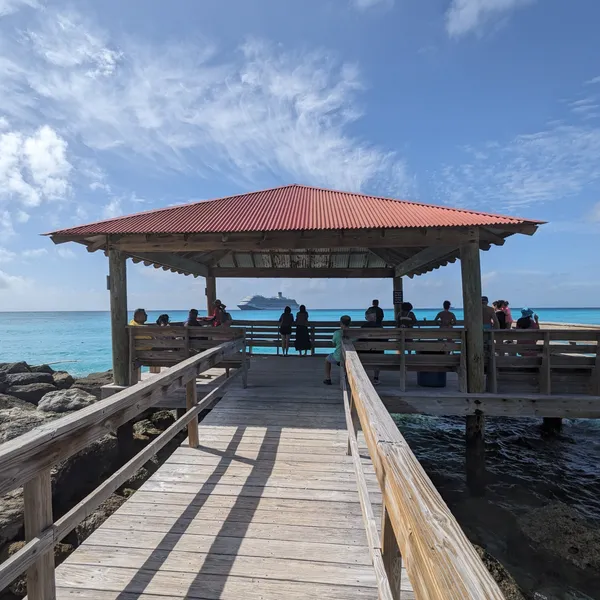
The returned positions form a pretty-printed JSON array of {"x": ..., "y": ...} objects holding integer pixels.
[
  {"x": 112, "y": 209},
  {"x": 13, "y": 283},
  {"x": 595, "y": 213},
  {"x": 550, "y": 165},
  {"x": 33, "y": 167},
  {"x": 66, "y": 253},
  {"x": 593, "y": 80},
  {"x": 182, "y": 106},
  {"x": 6, "y": 225},
  {"x": 468, "y": 16},
  {"x": 34, "y": 253},
  {"x": 21, "y": 216},
  {"x": 368, "y": 4},
  {"x": 8, "y": 7},
  {"x": 6, "y": 255}
]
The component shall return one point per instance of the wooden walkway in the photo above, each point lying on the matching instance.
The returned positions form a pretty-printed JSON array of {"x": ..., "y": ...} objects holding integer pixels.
[{"x": 266, "y": 508}]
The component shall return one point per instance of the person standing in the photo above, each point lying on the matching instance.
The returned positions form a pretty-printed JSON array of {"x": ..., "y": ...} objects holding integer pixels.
[
  {"x": 446, "y": 319},
  {"x": 302, "y": 342},
  {"x": 286, "y": 320},
  {"x": 377, "y": 311},
  {"x": 369, "y": 324},
  {"x": 490, "y": 320},
  {"x": 335, "y": 358},
  {"x": 500, "y": 314},
  {"x": 406, "y": 316},
  {"x": 509, "y": 318}
]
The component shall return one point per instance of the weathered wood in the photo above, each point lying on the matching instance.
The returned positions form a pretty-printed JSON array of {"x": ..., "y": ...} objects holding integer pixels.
[
  {"x": 117, "y": 270},
  {"x": 421, "y": 259},
  {"x": 37, "y": 499},
  {"x": 402, "y": 352},
  {"x": 441, "y": 562},
  {"x": 191, "y": 401},
  {"x": 390, "y": 552},
  {"x": 298, "y": 273},
  {"x": 471, "y": 285},
  {"x": 211, "y": 294},
  {"x": 29, "y": 454},
  {"x": 492, "y": 370},
  {"x": 398, "y": 287},
  {"x": 174, "y": 261}
]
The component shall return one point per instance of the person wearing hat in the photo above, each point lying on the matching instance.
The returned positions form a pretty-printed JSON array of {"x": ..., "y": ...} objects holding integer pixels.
[
  {"x": 490, "y": 320},
  {"x": 528, "y": 320}
]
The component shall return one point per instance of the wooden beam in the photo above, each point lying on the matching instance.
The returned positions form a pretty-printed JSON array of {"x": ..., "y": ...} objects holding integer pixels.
[
  {"x": 493, "y": 405},
  {"x": 117, "y": 269},
  {"x": 211, "y": 294},
  {"x": 471, "y": 284},
  {"x": 423, "y": 258},
  {"x": 292, "y": 240},
  {"x": 398, "y": 290},
  {"x": 291, "y": 272},
  {"x": 173, "y": 261}
]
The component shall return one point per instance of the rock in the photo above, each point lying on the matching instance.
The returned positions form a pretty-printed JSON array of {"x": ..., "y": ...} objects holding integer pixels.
[
  {"x": 14, "y": 367},
  {"x": 81, "y": 473},
  {"x": 65, "y": 400},
  {"x": 11, "y": 516},
  {"x": 107, "y": 508},
  {"x": 63, "y": 380},
  {"x": 508, "y": 586},
  {"x": 42, "y": 369},
  {"x": 162, "y": 419},
  {"x": 27, "y": 378},
  {"x": 145, "y": 430},
  {"x": 565, "y": 533},
  {"x": 32, "y": 392},
  {"x": 18, "y": 417},
  {"x": 94, "y": 382}
]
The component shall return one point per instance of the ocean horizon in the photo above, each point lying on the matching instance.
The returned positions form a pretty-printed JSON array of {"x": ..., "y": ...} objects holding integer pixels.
[{"x": 79, "y": 341}]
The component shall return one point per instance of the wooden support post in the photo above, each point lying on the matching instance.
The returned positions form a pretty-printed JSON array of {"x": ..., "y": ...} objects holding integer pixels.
[
  {"x": 118, "y": 316},
  {"x": 492, "y": 371},
  {"x": 402, "y": 361},
  {"x": 398, "y": 291},
  {"x": 390, "y": 552},
  {"x": 211, "y": 295},
  {"x": 244, "y": 365},
  {"x": 471, "y": 284},
  {"x": 313, "y": 350},
  {"x": 191, "y": 399},
  {"x": 37, "y": 497},
  {"x": 550, "y": 425},
  {"x": 462, "y": 373}
]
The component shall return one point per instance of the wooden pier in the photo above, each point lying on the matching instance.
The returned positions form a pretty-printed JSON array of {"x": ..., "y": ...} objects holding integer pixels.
[{"x": 266, "y": 506}]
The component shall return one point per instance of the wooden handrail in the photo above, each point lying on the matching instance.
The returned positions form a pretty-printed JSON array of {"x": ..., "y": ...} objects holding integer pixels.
[
  {"x": 441, "y": 562},
  {"x": 27, "y": 460}
]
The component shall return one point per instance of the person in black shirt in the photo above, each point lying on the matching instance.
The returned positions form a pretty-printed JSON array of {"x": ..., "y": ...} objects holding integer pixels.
[
  {"x": 286, "y": 320},
  {"x": 377, "y": 311},
  {"x": 500, "y": 314}
]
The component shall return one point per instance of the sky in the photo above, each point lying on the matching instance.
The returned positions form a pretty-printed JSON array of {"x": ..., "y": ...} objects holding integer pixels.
[{"x": 116, "y": 107}]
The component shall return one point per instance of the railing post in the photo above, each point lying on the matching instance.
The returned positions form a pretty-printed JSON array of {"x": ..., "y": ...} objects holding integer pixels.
[
  {"x": 312, "y": 341},
  {"x": 37, "y": 496},
  {"x": 390, "y": 552},
  {"x": 402, "y": 361},
  {"x": 191, "y": 399},
  {"x": 462, "y": 374},
  {"x": 244, "y": 363},
  {"x": 549, "y": 424},
  {"x": 596, "y": 378},
  {"x": 492, "y": 375}
]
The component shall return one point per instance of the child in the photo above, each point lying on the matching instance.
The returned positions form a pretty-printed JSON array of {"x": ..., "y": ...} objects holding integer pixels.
[
  {"x": 446, "y": 319},
  {"x": 336, "y": 356}
]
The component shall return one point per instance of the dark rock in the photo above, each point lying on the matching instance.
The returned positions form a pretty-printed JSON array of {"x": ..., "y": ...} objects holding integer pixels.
[
  {"x": 63, "y": 380},
  {"x": 33, "y": 392},
  {"x": 65, "y": 400},
  {"x": 508, "y": 586},
  {"x": 27, "y": 378},
  {"x": 162, "y": 419},
  {"x": 11, "y": 516},
  {"x": 18, "y": 417},
  {"x": 107, "y": 508},
  {"x": 80, "y": 474},
  {"x": 14, "y": 367},
  {"x": 94, "y": 382},
  {"x": 564, "y": 533},
  {"x": 145, "y": 430},
  {"x": 42, "y": 369}
]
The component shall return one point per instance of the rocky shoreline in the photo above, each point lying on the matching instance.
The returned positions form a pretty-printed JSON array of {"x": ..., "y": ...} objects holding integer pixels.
[{"x": 31, "y": 396}]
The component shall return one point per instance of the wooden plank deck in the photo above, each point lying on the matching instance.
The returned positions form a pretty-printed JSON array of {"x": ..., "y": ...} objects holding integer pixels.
[{"x": 265, "y": 508}]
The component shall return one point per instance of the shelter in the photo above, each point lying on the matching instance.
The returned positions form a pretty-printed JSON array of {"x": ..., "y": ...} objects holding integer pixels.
[{"x": 297, "y": 231}]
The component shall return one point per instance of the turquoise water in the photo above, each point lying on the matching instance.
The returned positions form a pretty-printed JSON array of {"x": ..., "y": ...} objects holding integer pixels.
[{"x": 80, "y": 341}]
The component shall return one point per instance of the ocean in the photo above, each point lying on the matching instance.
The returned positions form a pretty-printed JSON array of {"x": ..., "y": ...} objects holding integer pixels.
[
  {"x": 526, "y": 471},
  {"x": 79, "y": 342}
]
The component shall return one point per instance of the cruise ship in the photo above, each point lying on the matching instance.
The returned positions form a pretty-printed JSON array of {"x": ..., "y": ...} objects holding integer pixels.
[{"x": 261, "y": 303}]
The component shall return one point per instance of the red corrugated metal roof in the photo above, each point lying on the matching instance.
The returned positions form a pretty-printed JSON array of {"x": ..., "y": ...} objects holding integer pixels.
[{"x": 289, "y": 208}]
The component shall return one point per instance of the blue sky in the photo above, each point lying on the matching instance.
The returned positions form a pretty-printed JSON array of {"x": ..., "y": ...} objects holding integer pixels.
[{"x": 117, "y": 107}]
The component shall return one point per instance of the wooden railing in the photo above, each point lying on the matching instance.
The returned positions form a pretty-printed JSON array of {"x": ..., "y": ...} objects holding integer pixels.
[
  {"x": 548, "y": 361},
  {"x": 417, "y": 525},
  {"x": 27, "y": 460}
]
